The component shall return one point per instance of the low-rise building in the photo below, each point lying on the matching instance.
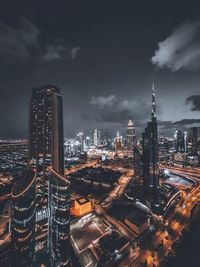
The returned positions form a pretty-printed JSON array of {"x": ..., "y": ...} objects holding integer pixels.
[{"x": 81, "y": 206}]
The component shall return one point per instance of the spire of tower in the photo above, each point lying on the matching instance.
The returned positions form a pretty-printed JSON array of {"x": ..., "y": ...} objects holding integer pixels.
[{"x": 153, "y": 113}]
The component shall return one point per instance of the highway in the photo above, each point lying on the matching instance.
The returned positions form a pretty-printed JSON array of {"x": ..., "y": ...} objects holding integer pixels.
[
  {"x": 175, "y": 224},
  {"x": 170, "y": 229},
  {"x": 163, "y": 237}
]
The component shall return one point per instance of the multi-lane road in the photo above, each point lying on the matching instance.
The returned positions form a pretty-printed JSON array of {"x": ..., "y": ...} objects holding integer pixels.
[{"x": 164, "y": 238}]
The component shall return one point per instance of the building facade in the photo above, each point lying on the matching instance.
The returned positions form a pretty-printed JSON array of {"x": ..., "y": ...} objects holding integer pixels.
[
  {"x": 46, "y": 157},
  {"x": 151, "y": 156},
  {"x": 194, "y": 137},
  {"x": 130, "y": 138},
  {"x": 23, "y": 220}
]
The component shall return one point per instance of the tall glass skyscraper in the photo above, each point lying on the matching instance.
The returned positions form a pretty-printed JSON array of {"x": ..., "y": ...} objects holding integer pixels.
[
  {"x": 150, "y": 155},
  {"x": 130, "y": 138},
  {"x": 46, "y": 135},
  {"x": 46, "y": 156},
  {"x": 23, "y": 220}
]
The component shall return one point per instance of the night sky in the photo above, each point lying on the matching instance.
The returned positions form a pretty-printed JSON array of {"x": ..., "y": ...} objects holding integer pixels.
[{"x": 104, "y": 56}]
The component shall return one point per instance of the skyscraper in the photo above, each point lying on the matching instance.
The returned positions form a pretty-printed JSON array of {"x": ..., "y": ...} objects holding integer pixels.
[
  {"x": 179, "y": 144},
  {"x": 130, "y": 138},
  {"x": 118, "y": 142},
  {"x": 23, "y": 220},
  {"x": 150, "y": 155},
  {"x": 194, "y": 136},
  {"x": 80, "y": 138},
  {"x": 185, "y": 141},
  {"x": 46, "y": 154},
  {"x": 95, "y": 137},
  {"x": 45, "y": 126}
]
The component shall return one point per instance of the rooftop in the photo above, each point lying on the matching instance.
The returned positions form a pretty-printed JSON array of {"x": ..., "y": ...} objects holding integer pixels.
[
  {"x": 137, "y": 217},
  {"x": 82, "y": 200}
]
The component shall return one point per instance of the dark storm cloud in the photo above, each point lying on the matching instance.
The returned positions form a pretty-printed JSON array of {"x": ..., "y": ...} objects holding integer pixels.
[
  {"x": 74, "y": 52},
  {"x": 181, "y": 50},
  {"x": 195, "y": 101},
  {"x": 24, "y": 42},
  {"x": 103, "y": 101},
  {"x": 54, "y": 52},
  {"x": 17, "y": 42},
  {"x": 59, "y": 52},
  {"x": 100, "y": 48},
  {"x": 185, "y": 122},
  {"x": 165, "y": 123},
  {"x": 113, "y": 109}
]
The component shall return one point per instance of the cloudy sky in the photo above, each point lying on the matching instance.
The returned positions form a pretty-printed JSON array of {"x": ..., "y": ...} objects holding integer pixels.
[{"x": 104, "y": 55}]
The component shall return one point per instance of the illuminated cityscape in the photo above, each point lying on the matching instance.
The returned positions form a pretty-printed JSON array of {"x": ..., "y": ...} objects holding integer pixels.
[{"x": 100, "y": 165}]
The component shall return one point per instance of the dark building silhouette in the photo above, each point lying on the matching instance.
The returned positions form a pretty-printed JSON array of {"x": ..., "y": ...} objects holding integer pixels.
[
  {"x": 138, "y": 163},
  {"x": 46, "y": 156},
  {"x": 194, "y": 137},
  {"x": 150, "y": 156},
  {"x": 179, "y": 143}
]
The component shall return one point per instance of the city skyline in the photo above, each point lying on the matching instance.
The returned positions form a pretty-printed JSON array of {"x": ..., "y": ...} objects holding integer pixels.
[
  {"x": 99, "y": 133},
  {"x": 102, "y": 56}
]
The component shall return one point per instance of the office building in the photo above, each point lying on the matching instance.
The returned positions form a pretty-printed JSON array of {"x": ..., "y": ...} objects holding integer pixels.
[
  {"x": 130, "y": 138},
  {"x": 95, "y": 137},
  {"x": 194, "y": 137},
  {"x": 118, "y": 142},
  {"x": 150, "y": 156},
  {"x": 23, "y": 220},
  {"x": 46, "y": 156}
]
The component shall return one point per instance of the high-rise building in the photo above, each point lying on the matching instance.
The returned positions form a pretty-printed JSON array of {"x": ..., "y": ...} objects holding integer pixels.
[
  {"x": 46, "y": 154},
  {"x": 23, "y": 220},
  {"x": 95, "y": 137},
  {"x": 150, "y": 156},
  {"x": 118, "y": 142},
  {"x": 185, "y": 141},
  {"x": 130, "y": 138},
  {"x": 179, "y": 144},
  {"x": 194, "y": 137},
  {"x": 106, "y": 138},
  {"x": 80, "y": 138},
  {"x": 45, "y": 124},
  {"x": 138, "y": 163},
  {"x": 100, "y": 137},
  {"x": 175, "y": 134},
  {"x": 91, "y": 141},
  {"x": 180, "y": 141}
]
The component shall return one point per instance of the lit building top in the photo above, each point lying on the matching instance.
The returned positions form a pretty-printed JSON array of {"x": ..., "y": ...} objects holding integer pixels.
[
  {"x": 81, "y": 206},
  {"x": 130, "y": 123}
]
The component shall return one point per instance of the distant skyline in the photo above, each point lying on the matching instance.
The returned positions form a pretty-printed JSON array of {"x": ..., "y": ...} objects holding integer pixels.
[{"x": 104, "y": 56}]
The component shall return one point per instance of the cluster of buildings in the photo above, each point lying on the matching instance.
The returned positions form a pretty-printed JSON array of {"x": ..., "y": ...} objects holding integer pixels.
[
  {"x": 41, "y": 206},
  {"x": 40, "y": 209},
  {"x": 99, "y": 143}
]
